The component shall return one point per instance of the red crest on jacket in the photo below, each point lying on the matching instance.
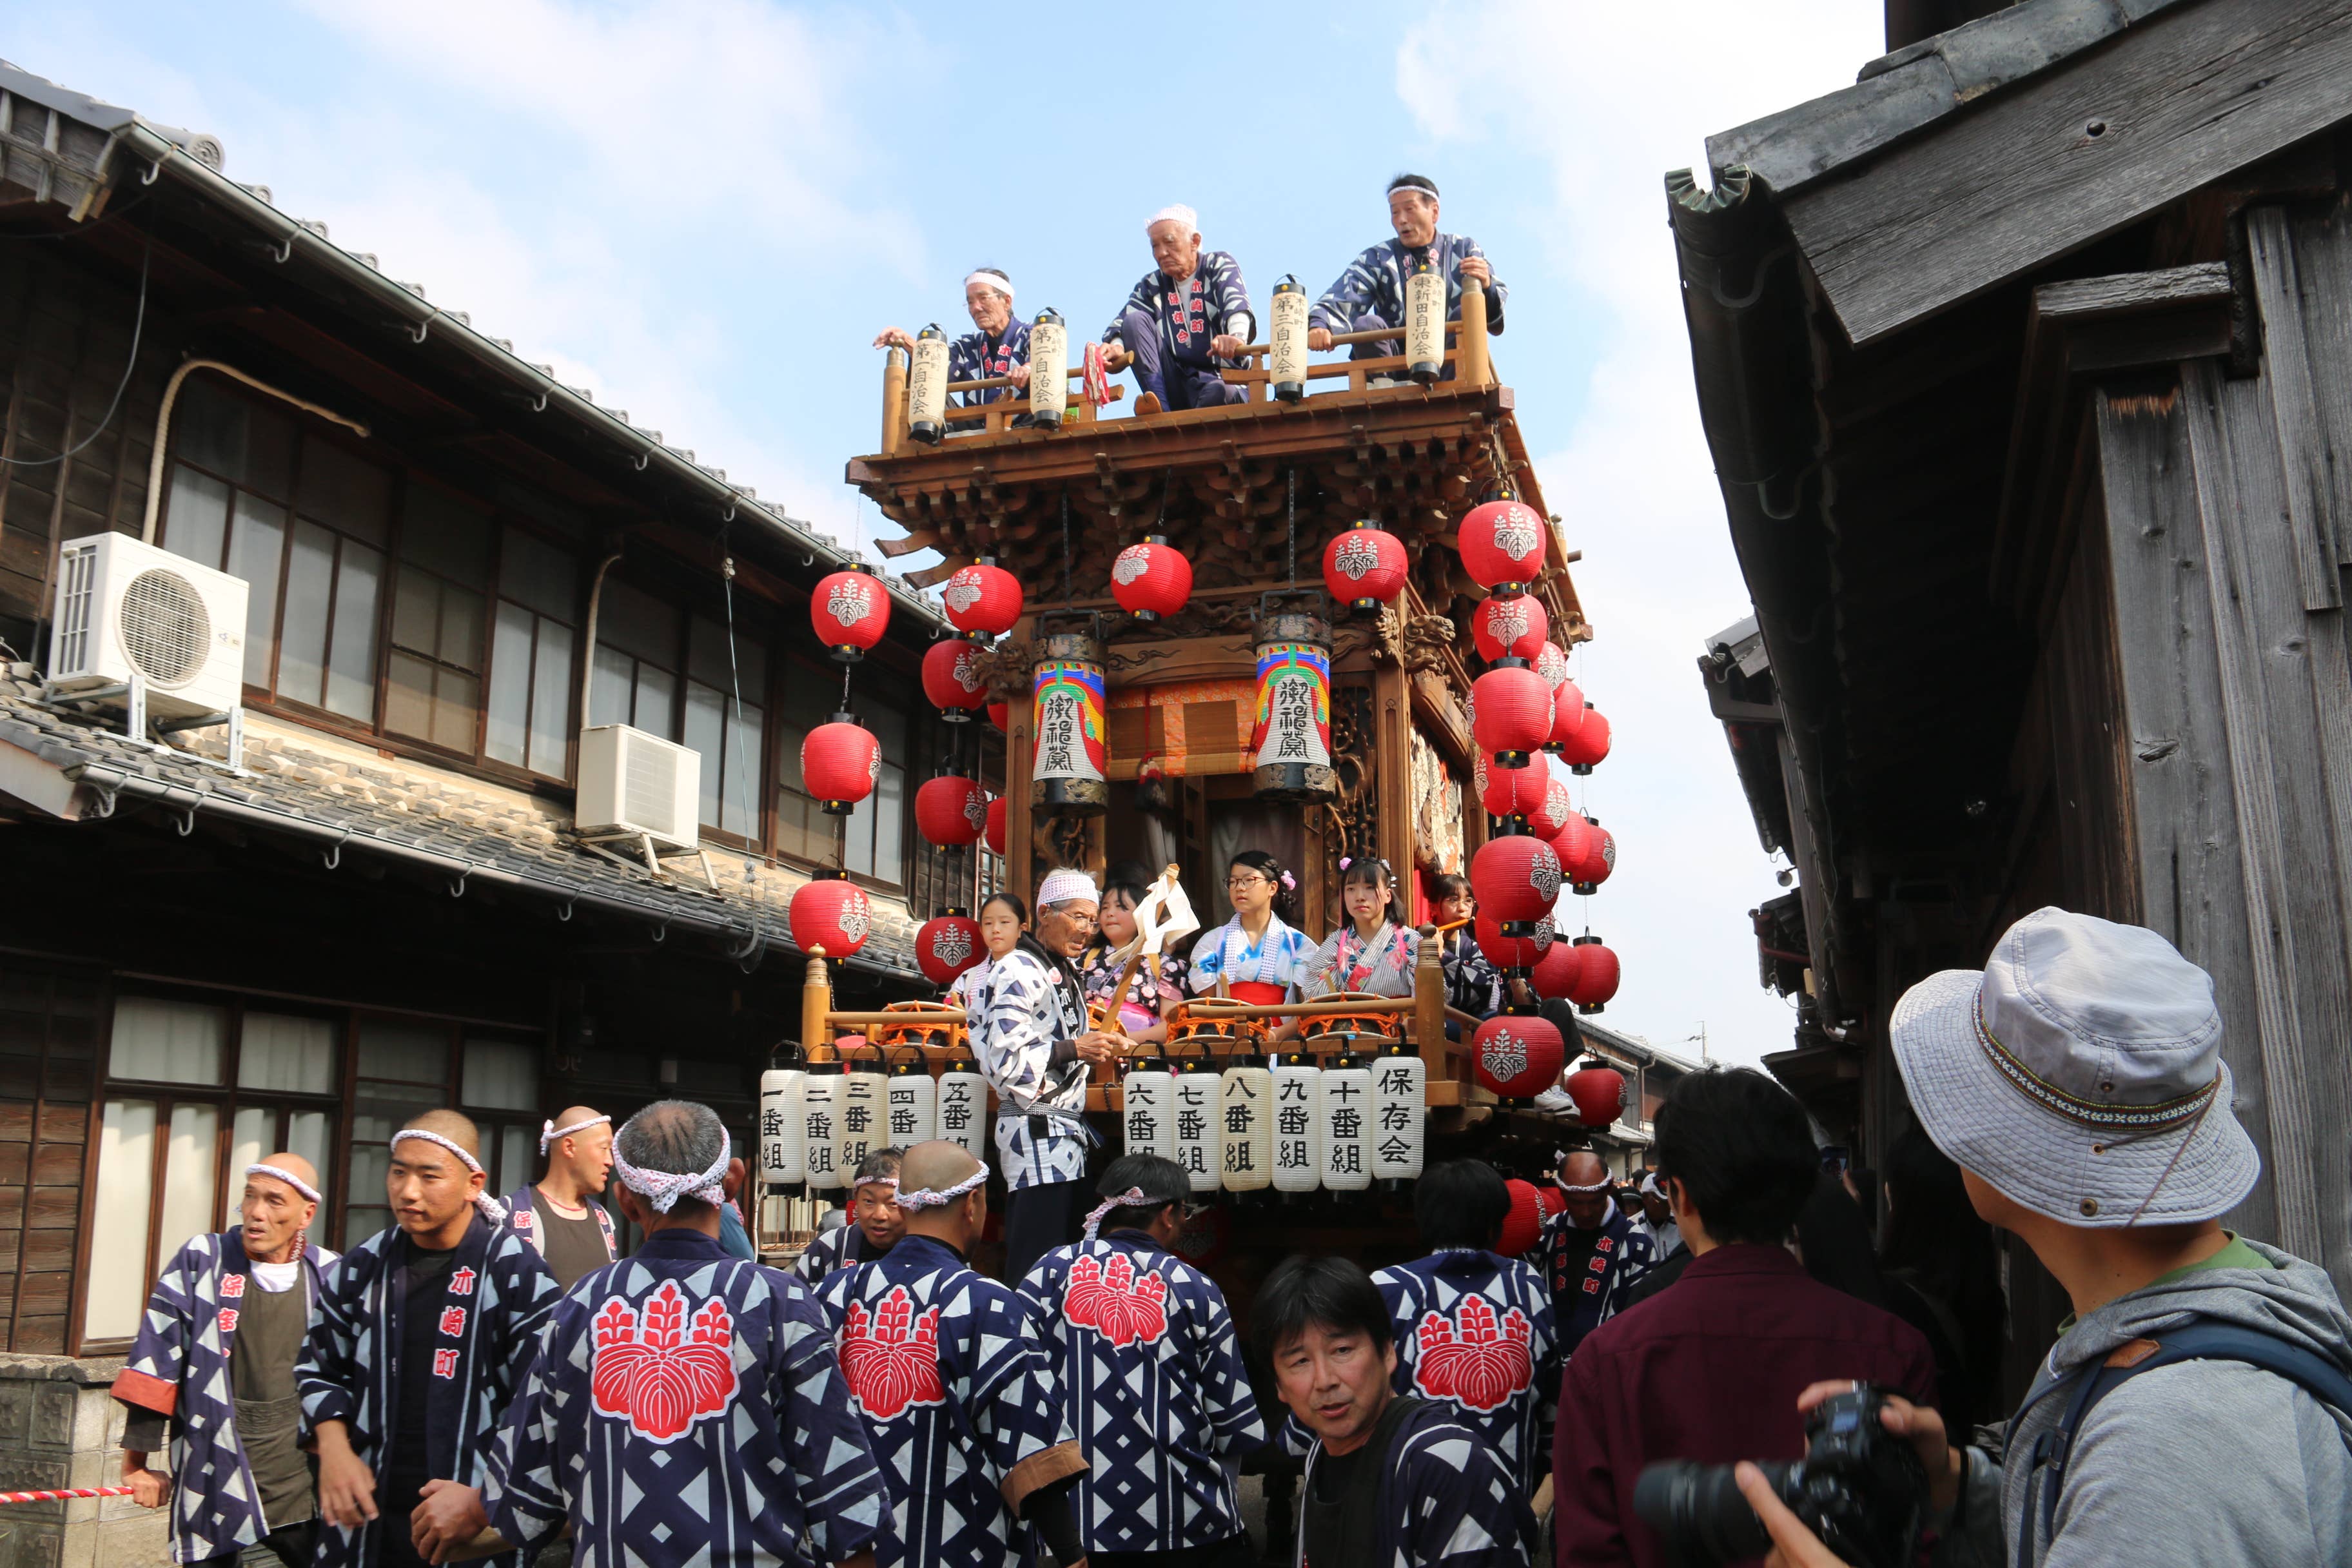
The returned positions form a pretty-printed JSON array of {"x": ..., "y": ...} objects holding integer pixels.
[
  {"x": 890, "y": 1356},
  {"x": 661, "y": 1373},
  {"x": 1474, "y": 1359},
  {"x": 1109, "y": 1297}
]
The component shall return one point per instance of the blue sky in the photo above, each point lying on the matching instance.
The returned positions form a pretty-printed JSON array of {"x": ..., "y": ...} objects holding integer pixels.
[{"x": 705, "y": 211}]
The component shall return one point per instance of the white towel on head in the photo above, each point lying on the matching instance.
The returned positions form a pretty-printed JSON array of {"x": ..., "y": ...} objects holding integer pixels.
[
  {"x": 1060, "y": 886},
  {"x": 1180, "y": 212}
]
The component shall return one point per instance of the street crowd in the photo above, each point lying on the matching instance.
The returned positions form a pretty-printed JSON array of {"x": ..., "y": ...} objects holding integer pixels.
[{"x": 490, "y": 1379}]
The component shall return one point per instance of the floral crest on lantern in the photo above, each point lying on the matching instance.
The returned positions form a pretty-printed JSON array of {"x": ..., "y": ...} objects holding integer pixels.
[
  {"x": 1503, "y": 1056},
  {"x": 951, "y": 945},
  {"x": 1557, "y": 805},
  {"x": 1517, "y": 533},
  {"x": 1543, "y": 873},
  {"x": 1357, "y": 556},
  {"x": 975, "y": 810},
  {"x": 964, "y": 590},
  {"x": 873, "y": 767},
  {"x": 1506, "y": 619},
  {"x": 1133, "y": 562},
  {"x": 967, "y": 670},
  {"x": 857, "y": 916},
  {"x": 851, "y": 597},
  {"x": 1552, "y": 664}
]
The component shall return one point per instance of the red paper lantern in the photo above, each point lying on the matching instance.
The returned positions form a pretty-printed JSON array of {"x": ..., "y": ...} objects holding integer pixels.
[
  {"x": 839, "y": 762},
  {"x": 1511, "y": 713},
  {"x": 1599, "y": 1093},
  {"x": 948, "y": 944},
  {"x": 951, "y": 678},
  {"x": 1530, "y": 792},
  {"x": 831, "y": 913},
  {"x": 1364, "y": 568},
  {"x": 1511, "y": 626},
  {"x": 1554, "y": 1201},
  {"x": 1514, "y": 952},
  {"x": 950, "y": 811},
  {"x": 1589, "y": 744},
  {"x": 1574, "y": 838},
  {"x": 1599, "y": 859},
  {"x": 1596, "y": 976},
  {"x": 985, "y": 598},
  {"x": 850, "y": 610},
  {"x": 1554, "y": 975},
  {"x": 1516, "y": 877},
  {"x": 1523, "y": 1226},
  {"x": 1502, "y": 542},
  {"x": 1567, "y": 714},
  {"x": 1001, "y": 715},
  {"x": 1151, "y": 579},
  {"x": 1552, "y": 664},
  {"x": 994, "y": 832},
  {"x": 1516, "y": 1056}
]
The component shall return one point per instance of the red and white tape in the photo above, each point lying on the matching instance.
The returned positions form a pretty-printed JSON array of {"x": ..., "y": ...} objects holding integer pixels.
[{"x": 65, "y": 1494}]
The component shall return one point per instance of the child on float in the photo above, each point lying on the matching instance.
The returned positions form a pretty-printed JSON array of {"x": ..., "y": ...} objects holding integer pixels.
[{"x": 1256, "y": 956}]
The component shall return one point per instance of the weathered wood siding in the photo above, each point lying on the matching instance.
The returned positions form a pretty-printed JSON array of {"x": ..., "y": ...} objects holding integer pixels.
[{"x": 48, "y": 1066}]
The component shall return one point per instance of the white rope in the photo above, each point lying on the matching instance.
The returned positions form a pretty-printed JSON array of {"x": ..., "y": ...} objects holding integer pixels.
[
  {"x": 664, "y": 1188},
  {"x": 289, "y": 1177},
  {"x": 1599, "y": 1187},
  {"x": 924, "y": 1198},
  {"x": 549, "y": 1131},
  {"x": 492, "y": 1210},
  {"x": 1131, "y": 1198}
]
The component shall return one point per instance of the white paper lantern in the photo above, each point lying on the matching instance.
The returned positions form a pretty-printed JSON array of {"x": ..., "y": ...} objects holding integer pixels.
[
  {"x": 1400, "y": 1116},
  {"x": 1297, "y": 1125},
  {"x": 1246, "y": 1114},
  {"x": 914, "y": 1106},
  {"x": 963, "y": 1109},
  {"x": 1198, "y": 1145},
  {"x": 864, "y": 1113},
  {"x": 1343, "y": 1097},
  {"x": 783, "y": 1127},
  {"x": 1285, "y": 362},
  {"x": 1049, "y": 369},
  {"x": 927, "y": 386},
  {"x": 1425, "y": 324},
  {"x": 821, "y": 1116},
  {"x": 1149, "y": 1120}
]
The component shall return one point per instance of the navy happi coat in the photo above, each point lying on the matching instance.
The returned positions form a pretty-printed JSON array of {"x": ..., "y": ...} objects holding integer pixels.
[
  {"x": 522, "y": 1216},
  {"x": 973, "y": 357},
  {"x": 179, "y": 1367},
  {"x": 1373, "y": 285},
  {"x": 495, "y": 1298},
  {"x": 1447, "y": 1502},
  {"x": 1158, "y": 1392},
  {"x": 1588, "y": 1272},
  {"x": 688, "y": 1409},
  {"x": 960, "y": 1399},
  {"x": 1474, "y": 1331},
  {"x": 1193, "y": 315}
]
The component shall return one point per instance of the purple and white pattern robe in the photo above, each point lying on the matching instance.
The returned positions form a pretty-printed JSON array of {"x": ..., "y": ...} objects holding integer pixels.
[
  {"x": 686, "y": 1408},
  {"x": 179, "y": 1367},
  {"x": 1158, "y": 1395},
  {"x": 1023, "y": 1017},
  {"x": 522, "y": 1214},
  {"x": 1474, "y": 1331},
  {"x": 831, "y": 1251},
  {"x": 495, "y": 1300},
  {"x": 1373, "y": 285},
  {"x": 976, "y": 357},
  {"x": 960, "y": 1400},
  {"x": 1448, "y": 1501},
  {"x": 1193, "y": 315},
  {"x": 1588, "y": 1270}
]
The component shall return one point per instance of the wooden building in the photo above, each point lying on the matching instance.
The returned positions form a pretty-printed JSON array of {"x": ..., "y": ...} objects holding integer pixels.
[
  {"x": 2026, "y": 367},
  {"x": 456, "y": 563}
]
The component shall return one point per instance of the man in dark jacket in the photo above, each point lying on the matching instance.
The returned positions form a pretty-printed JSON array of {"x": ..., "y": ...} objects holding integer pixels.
[
  {"x": 1590, "y": 1251},
  {"x": 1710, "y": 1369}
]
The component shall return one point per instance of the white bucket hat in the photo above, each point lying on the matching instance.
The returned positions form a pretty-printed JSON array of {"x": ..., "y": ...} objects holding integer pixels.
[{"x": 2080, "y": 1072}]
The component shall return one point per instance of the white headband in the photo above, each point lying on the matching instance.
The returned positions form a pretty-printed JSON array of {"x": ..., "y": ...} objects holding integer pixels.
[
  {"x": 492, "y": 1210},
  {"x": 990, "y": 280},
  {"x": 1131, "y": 1198},
  {"x": 549, "y": 1131},
  {"x": 1599, "y": 1187},
  {"x": 664, "y": 1188},
  {"x": 1060, "y": 886},
  {"x": 924, "y": 1198},
  {"x": 889, "y": 1182},
  {"x": 289, "y": 1177},
  {"x": 1177, "y": 213}
]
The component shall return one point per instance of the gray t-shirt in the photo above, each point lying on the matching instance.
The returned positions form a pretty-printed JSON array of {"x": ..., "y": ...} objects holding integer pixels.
[{"x": 574, "y": 1248}]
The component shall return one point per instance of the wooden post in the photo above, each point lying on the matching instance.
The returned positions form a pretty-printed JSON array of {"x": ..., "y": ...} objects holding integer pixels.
[
  {"x": 1392, "y": 766},
  {"x": 1429, "y": 1004},
  {"x": 894, "y": 400},
  {"x": 816, "y": 1001},
  {"x": 1020, "y": 756},
  {"x": 1475, "y": 368}
]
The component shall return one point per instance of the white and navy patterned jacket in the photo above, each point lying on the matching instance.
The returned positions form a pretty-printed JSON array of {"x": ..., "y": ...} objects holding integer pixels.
[
  {"x": 1474, "y": 1331},
  {"x": 1281, "y": 956},
  {"x": 1158, "y": 1395},
  {"x": 687, "y": 1408},
  {"x": 500, "y": 1291},
  {"x": 1373, "y": 284},
  {"x": 1448, "y": 1501},
  {"x": 179, "y": 1367},
  {"x": 1020, "y": 1013},
  {"x": 973, "y": 357},
  {"x": 831, "y": 1250},
  {"x": 523, "y": 1218},
  {"x": 1191, "y": 314}
]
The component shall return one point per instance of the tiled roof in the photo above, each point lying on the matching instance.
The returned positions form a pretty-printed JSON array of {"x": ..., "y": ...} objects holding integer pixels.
[{"x": 444, "y": 821}]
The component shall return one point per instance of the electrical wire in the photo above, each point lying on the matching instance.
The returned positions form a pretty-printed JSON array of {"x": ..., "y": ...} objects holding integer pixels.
[
  {"x": 138, "y": 325},
  {"x": 735, "y": 675}
]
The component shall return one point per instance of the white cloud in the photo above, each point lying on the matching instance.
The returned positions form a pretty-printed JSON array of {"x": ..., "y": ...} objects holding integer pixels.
[{"x": 1609, "y": 98}]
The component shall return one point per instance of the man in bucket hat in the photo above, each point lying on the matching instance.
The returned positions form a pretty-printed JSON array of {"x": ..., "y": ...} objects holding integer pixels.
[{"x": 2196, "y": 1407}]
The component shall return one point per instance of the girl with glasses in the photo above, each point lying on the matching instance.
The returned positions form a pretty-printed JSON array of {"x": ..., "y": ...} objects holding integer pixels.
[{"x": 1256, "y": 956}]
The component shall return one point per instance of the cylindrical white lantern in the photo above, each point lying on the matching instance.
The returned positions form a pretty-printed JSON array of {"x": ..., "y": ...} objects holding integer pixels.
[
  {"x": 821, "y": 1116},
  {"x": 1400, "y": 1116},
  {"x": 783, "y": 1127},
  {"x": 1198, "y": 1144},
  {"x": 927, "y": 386},
  {"x": 914, "y": 1105},
  {"x": 1286, "y": 359},
  {"x": 1425, "y": 324},
  {"x": 864, "y": 1112},
  {"x": 1245, "y": 1117},
  {"x": 1049, "y": 369},
  {"x": 1298, "y": 1124},
  {"x": 963, "y": 1108},
  {"x": 1343, "y": 1097},
  {"x": 1149, "y": 1119}
]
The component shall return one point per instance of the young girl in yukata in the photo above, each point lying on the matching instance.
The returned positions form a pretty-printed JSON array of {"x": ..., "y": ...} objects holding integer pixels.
[
  {"x": 1373, "y": 951},
  {"x": 1257, "y": 955},
  {"x": 1159, "y": 982}
]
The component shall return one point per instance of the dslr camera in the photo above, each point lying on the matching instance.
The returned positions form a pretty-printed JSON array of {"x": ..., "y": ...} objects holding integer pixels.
[{"x": 1859, "y": 1488}]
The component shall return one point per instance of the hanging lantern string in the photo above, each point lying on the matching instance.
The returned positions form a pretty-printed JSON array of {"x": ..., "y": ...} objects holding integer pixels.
[
  {"x": 735, "y": 675},
  {"x": 1503, "y": 470},
  {"x": 1291, "y": 515},
  {"x": 845, "y": 670},
  {"x": 1167, "y": 482},
  {"x": 1068, "y": 601}
]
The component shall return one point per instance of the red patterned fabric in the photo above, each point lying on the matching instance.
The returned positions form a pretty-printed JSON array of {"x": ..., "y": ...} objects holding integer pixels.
[
  {"x": 1124, "y": 1307},
  {"x": 890, "y": 1356},
  {"x": 1477, "y": 1358},
  {"x": 663, "y": 1374}
]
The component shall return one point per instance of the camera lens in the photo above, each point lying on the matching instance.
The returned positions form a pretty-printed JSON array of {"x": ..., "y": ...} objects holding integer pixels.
[{"x": 1699, "y": 1512}]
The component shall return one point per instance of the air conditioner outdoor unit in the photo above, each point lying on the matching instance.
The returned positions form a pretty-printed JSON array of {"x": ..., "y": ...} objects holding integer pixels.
[
  {"x": 126, "y": 609},
  {"x": 633, "y": 784}
]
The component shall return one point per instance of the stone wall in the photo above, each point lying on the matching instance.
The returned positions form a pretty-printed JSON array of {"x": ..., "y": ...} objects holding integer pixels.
[{"x": 59, "y": 1426}]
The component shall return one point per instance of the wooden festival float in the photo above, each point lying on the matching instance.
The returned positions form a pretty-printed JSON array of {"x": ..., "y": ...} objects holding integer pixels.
[{"x": 1249, "y": 626}]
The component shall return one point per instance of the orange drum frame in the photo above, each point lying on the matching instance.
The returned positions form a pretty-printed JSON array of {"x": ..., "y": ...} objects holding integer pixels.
[
  {"x": 922, "y": 1028},
  {"x": 1348, "y": 1031}
]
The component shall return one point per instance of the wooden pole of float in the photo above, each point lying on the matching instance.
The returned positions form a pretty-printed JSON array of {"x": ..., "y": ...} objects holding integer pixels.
[
  {"x": 1476, "y": 366},
  {"x": 816, "y": 1004},
  {"x": 1429, "y": 1004},
  {"x": 894, "y": 400}
]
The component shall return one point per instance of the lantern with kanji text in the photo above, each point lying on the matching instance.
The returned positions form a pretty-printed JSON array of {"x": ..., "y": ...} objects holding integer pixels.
[
  {"x": 1151, "y": 579},
  {"x": 914, "y": 1099},
  {"x": 927, "y": 386},
  {"x": 1424, "y": 322},
  {"x": 1511, "y": 713},
  {"x": 850, "y": 610},
  {"x": 1286, "y": 359},
  {"x": 1148, "y": 1119},
  {"x": 1067, "y": 773},
  {"x": 1344, "y": 1106},
  {"x": 1245, "y": 1117},
  {"x": 1511, "y": 625},
  {"x": 963, "y": 1106},
  {"x": 952, "y": 680},
  {"x": 1516, "y": 1056},
  {"x": 982, "y": 598},
  {"x": 1364, "y": 568},
  {"x": 1297, "y": 1126},
  {"x": 1400, "y": 1114},
  {"x": 840, "y": 759},
  {"x": 1502, "y": 544},
  {"x": 1049, "y": 369},
  {"x": 1292, "y": 738},
  {"x": 833, "y": 913},
  {"x": 1198, "y": 1142},
  {"x": 950, "y": 811},
  {"x": 783, "y": 1127},
  {"x": 821, "y": 1124}
]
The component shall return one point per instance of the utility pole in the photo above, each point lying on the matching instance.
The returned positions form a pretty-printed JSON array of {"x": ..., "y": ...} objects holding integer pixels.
[{"x": 1701, "y": 1039}]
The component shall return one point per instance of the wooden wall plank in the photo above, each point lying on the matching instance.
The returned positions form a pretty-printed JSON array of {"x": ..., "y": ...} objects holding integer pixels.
[
  {"x": 2286, "y": 378},
  {"x": 2323, "y": 258}
]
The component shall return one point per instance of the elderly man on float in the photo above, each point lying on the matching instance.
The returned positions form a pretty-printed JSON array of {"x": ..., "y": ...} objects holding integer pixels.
[
  {"x": 1369, "y": 294},
  {"x": 1001, "y": 346},
  {"x": 1184, "y": 320}
]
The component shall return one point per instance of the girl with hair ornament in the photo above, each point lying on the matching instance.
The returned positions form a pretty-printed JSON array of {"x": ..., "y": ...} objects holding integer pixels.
[
  {"x": 1373, "y": 951},
  {"x": 1256, "y": 956}
]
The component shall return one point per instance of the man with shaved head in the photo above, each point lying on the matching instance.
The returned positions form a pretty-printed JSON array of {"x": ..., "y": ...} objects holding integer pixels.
[
  {"x": 962, "y": 1403},
  {"x": 1589, "y": 1251},
  {"x": 417, "y": 1346},
  {"x": 215, "y": 1363},
  {"x": 558, "y": 1213}
]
